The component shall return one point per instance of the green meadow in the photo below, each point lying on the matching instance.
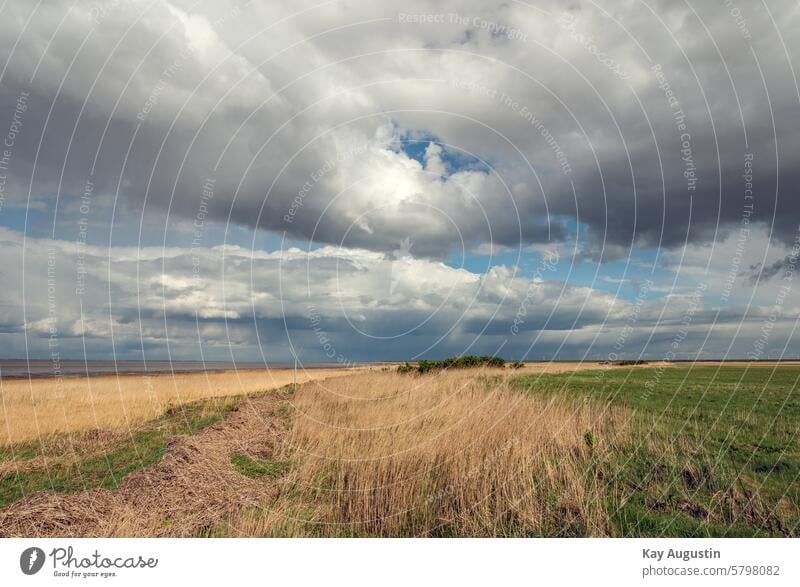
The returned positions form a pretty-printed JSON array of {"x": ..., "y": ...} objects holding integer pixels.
[{"x": 714, "y": 452}]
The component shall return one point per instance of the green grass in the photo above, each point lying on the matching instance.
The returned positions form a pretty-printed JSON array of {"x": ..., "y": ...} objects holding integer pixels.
[
  {"x": 257, "y": 468},
  {"x": 91, "y": 468},
  {"x": 714, "y": 450}
]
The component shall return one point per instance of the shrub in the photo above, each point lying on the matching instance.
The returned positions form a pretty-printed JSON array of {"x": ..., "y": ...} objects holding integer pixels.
[
  {"x": 463, "y": 362},
  {"x": 624, "y": 363},
  {"x": 406, "y": 368}
]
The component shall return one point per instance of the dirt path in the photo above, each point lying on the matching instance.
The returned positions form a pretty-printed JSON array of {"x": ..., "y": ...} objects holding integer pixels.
[{"x": 191, "y": 488}]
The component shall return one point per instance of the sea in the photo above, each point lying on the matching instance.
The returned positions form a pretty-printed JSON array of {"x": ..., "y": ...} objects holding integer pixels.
[{"x": 16, "y": 368}]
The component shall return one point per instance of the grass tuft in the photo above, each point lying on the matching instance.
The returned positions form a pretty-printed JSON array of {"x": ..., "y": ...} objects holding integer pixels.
[{"x": 256, "y": 468}]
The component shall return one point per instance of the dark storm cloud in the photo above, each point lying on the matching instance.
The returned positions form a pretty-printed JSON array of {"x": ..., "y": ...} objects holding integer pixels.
[
  {"x": 784, "y": 266},
  {"x": 304, "y": 120}
]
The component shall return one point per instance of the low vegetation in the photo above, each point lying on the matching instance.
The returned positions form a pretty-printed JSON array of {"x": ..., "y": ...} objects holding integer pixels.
[
  {"x": 456, "y": 455},
  {"x": 624, "y": 362},
  {"x": 462, "y": 362},
  {"x": 204, "y": 472},
  {"x": 644, "y": 451},
  {"x": 33, "y": 410},
  {"x": 256, "y": 468},
  {"x": 717, "y": 451},
  {"x": 67, "y": 463}
]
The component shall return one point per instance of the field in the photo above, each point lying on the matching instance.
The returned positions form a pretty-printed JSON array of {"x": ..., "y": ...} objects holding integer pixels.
[{"x": 658, "y": 450}]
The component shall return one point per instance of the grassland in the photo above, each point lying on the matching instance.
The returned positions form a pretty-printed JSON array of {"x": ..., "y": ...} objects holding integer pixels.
[
  {"x": 716, "y": 450},
  {"x": 447, "y": 454},
  {"x": 34, "y": 409},
  {"x": 611, "y": 451},
  {"x": 68, "y": 463}
]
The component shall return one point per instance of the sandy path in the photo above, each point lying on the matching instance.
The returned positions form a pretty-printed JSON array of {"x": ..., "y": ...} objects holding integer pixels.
[{"x": 191, "y": 488}]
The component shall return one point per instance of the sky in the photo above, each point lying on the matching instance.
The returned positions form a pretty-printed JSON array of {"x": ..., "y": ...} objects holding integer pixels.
[{"x": 356, "y": 180}]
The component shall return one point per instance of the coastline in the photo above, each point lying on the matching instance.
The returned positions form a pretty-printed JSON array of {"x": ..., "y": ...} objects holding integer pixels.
[
  {"x": 36, "y": 407},
  {"x": 15, "y": 369}
]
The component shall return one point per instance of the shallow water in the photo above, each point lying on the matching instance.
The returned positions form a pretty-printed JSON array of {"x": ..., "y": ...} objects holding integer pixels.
[{"x": 12, "y": 368}]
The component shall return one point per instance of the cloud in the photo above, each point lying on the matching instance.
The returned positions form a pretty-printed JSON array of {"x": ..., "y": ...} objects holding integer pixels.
[
  {"x": 152, "y": 99},
  {"x": 226, "y": 299},
  {"x": 664, "y": 131},
  {"x": 785, "y": 266},
  {"x": 144, "y": 296}
]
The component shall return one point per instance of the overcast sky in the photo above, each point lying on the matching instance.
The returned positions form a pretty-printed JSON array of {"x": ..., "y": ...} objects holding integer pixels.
[{"x": 362, "y": 180}]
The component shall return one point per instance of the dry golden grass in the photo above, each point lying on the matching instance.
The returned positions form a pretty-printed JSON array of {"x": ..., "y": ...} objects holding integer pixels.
[
  {"x": 449, "y": 454},
  {"x": 37, "y": 408},
  {"x": 191, "y": 487},
  {"x": 459, "y": 453}
]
